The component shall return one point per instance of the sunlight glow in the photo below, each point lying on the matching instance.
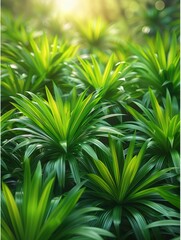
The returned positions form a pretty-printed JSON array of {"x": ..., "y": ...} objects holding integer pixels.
[{"x": 69, "y": 7}]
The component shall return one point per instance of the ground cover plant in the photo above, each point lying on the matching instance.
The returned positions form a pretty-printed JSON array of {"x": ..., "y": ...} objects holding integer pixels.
[{"x": 90, "y": 126}]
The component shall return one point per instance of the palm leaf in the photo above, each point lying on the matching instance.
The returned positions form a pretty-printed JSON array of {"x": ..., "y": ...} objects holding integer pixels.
[{"x": 13, "y": 212}]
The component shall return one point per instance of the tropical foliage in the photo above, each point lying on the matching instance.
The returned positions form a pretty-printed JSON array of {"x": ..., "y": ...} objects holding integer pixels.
[
  {"x": 34, "y": 214},
  {"x": 158, "y": 64},
  {"x": 160, "y": 124},
  {"x": 61, "y": 128},
  {"x": 124, "y": 186},
  {"x": 31, "y": 68},
  {"x": 90, "y": 128},
  {"x": 107, "y": 80}
]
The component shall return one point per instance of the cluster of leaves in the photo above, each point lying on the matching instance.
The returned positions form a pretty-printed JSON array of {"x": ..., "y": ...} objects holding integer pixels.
[
  {"x": 32, "y": 62},
  {"x": 90, "y": 147},
  {"x": 158, "y": 64}
]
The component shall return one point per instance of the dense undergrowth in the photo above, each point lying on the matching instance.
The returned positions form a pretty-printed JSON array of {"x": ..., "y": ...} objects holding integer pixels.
[{"x": 90, "y": 134}]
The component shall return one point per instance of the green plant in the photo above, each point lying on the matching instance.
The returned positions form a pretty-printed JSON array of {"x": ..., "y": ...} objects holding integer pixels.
[
  {"x": 14, "y": 82},
  {"x": 95, "y": 35},
  {"x": 161, "y": 124},
  {"x": 131, "y": 191},
  {"x": 14, "y": 30},
  {"x": 62, "y": 126},
  {"x": 89, "y": 151},
  {"x": 29, "y": 69},
  {"x": 4, "y": 121},
  {"x": 11, "y": 166},
  {"x": 44, "y": 56},
  {"x": 34, "y": 214},
  {"x": 157, "y": 65},
  {"x": 107, "y": 80}
]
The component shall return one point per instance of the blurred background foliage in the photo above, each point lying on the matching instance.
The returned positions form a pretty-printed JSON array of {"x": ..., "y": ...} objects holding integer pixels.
[{"x": 134, "y": 19}]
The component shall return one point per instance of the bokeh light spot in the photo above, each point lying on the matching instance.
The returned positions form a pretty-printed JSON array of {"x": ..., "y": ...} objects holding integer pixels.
[
  {"x": 160, "y": 5},
  {"x": 146, "y": 29}
]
